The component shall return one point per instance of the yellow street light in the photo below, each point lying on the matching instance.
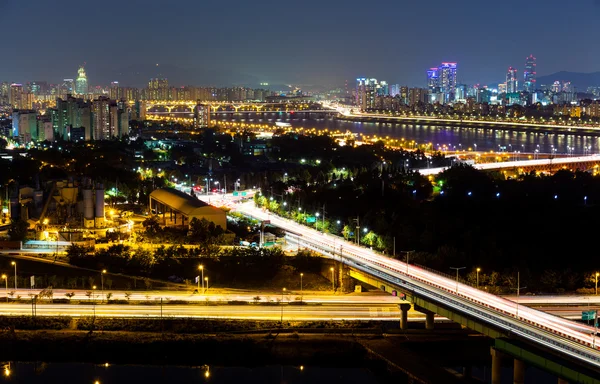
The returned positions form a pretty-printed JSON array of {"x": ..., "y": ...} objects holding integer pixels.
[
  {"x": 46, "y": 221},
  {"x": 478, "y": 270}
]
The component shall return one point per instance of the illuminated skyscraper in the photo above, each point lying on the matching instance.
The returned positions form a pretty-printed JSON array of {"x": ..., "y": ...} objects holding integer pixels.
[
  {"x": 442, "y": 80},
  {"x": 433, "y": 80},
  {"x": 512, "y": 84},
  {"x": 81, "y": 84},
  {"x": 529, "y": 75}
]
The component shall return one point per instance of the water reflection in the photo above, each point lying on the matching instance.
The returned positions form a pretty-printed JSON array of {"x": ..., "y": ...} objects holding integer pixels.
[
  {"x": 67, "y": 373},
  {"x": 459, "y": 137}
]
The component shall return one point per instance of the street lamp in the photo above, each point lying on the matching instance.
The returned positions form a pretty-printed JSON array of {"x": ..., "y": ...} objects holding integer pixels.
[
  {"x": 332, "y": 280},
  {"x": 15, "y": 265},
  {"x": 301, "y": 275},
  {"x": 102, "y": 282},
  {"x": 205, "y": 284},
  {"x": 457, "y": 269},
  {"x": 478, "y": 270},
  {"x": 6, "y": 282},
  {"x": 282, "y": 292},
  {"x": 201, "y": 268}
]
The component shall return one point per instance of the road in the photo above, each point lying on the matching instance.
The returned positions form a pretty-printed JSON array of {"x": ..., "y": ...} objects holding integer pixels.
[
  {"x": 220, "y": 295},
  {"x": 250, "y": 312},
  {"x": 564, "y": 336}
]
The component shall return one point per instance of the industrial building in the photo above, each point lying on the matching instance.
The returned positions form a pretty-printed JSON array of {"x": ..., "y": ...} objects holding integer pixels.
[{"x": 177, "y": 208}]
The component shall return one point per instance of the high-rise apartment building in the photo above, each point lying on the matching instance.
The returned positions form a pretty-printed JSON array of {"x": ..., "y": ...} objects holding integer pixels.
[
  {"x": 512, "y": 84},
  {"x": 158, "y": 89},
  {"x": 530, "y": 74},
  {"x": 101, "y": 111},
  {"x": 81, "y": 83},
  {"x": 14, "y": 97},
  {"x": 433, "y": 77}
]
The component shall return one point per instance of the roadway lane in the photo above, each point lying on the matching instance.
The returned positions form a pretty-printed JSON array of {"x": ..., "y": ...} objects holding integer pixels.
[
  {"x": 248, "y": 312},
  {"x": 543, "y": 329},
  {"x": 220, "y": 295}
]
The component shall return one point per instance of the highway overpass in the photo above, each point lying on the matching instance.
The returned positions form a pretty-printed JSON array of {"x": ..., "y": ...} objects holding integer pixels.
[
  {"x": 573, "y": 163},
  {"x": 492, "y": 315}
]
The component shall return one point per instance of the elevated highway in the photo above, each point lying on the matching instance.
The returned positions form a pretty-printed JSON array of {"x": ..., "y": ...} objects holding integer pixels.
[
  {"x": 572, "y": 163},
  {"x": 487, "y": 313}
]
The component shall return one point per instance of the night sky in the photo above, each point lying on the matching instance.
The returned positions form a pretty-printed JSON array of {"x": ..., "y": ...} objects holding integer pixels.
[{"x": 308, "y": 42}]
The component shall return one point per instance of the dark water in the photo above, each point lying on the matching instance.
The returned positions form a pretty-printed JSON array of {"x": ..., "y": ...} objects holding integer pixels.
[
  {"x": 67, "y": 373},
  {"x": 452, "y": 137}
]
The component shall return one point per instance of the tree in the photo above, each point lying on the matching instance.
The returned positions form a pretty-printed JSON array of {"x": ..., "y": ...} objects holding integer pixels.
[
  {"x": 347, "y": 232},
  {"x": 18, "y": 230},
  {"x": 70, "y": 295}
]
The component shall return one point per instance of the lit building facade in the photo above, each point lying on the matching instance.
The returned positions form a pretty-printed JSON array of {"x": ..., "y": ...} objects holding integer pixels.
[
  {"x": 81, "y": 83},
  {"x": 530, "y": 74},
  {"x": 512, "y": 84}
]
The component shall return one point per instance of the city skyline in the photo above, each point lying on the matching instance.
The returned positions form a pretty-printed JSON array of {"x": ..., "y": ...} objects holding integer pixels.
[{"x": 312, "y": 52}]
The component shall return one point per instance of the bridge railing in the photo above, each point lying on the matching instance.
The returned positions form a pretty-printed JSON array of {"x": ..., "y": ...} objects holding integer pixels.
[{"x": 446, "y": 275}]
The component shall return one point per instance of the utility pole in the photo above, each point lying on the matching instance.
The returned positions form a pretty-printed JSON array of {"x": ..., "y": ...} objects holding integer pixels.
[
  {"x": 357, "y": 230},
  {"x": 225, "y": 184},
  {"x": 407, "y": 258},
  {"x": 394, "y": 246}
]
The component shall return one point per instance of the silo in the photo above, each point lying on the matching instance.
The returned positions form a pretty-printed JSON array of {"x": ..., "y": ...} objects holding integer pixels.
[
  {"x": 99, "y": 206},
  {"x": 88, "y": 208}
]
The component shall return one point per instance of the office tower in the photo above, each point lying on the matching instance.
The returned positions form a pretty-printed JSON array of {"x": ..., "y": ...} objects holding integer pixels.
[
  {"x": 394, "y": 90},
  {"x": 529, "y": 75},
  {"x": 447, "y": 81},
  {"x": 81, "y": 84},
  {"x": 101, "y": 111},
  {"x": 461, "y": 92},
  {"x": 158, "y": 89},
  {"x": 16, "y": 90},
  {"x": 512, "y": 84},
  {"x": 433, "y": 76},
  {"x": 442, "y": 80}
]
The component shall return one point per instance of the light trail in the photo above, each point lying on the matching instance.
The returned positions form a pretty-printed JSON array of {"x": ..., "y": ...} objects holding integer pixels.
[{"x": 559, "y": 334}]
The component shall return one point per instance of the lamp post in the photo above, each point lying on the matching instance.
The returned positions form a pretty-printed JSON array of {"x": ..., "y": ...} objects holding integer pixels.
[
  {"x": 6, "y": 283},
  {"x": 102, "y": 282},
  {"x": 15, "y": 265},
  {"x": 301, "y": 275},
  {"x": 201, "y": 268},
  {"x": 332, "y": 279},
  {"x": 94, "y": 298},
  {"x": 407, "y": 259},
  {"x": 282, "y": 292},
  {"x": 478, "y": 270},
  {"x": 206, "y": 284},
  {"x": 457, "y": 269}
]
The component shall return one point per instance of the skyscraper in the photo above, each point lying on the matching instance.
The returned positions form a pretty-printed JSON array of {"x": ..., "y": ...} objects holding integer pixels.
[
  {"x": 81, "y": 84},
  {"x": 366, "y": 91},
  {"x": 433, "y": 80},
  {"x": 529, "y": 75},
  {"x": 512, "y": 84},
  {"x": 442, "y": 80}
]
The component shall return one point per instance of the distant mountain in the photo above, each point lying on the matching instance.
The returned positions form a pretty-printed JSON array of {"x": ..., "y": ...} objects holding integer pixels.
[
  {"x": 581, "y": 81},
  {"x": 139, "y": 75}
]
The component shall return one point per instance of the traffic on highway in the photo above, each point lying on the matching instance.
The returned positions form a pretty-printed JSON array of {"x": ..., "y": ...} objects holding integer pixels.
[{"x": 567, "y": 337}]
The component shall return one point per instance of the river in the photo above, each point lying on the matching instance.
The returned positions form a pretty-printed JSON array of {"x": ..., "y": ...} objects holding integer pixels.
[{"x": 454, "y": 138}]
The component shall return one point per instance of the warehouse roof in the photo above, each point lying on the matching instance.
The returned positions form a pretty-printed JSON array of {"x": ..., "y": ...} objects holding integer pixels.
[{"x": 179, "y": 201}]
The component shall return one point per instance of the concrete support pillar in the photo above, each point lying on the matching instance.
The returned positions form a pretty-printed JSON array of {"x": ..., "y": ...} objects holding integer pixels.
[
  {"x": 496, "y": 365},
  {"x": 404, "y": 308},
  {"x": 519, "y": 372},
  {"x": 562, "y": 381},
  {"x": 429, "y": 317},
  {"x": 429, "y": 320}
]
